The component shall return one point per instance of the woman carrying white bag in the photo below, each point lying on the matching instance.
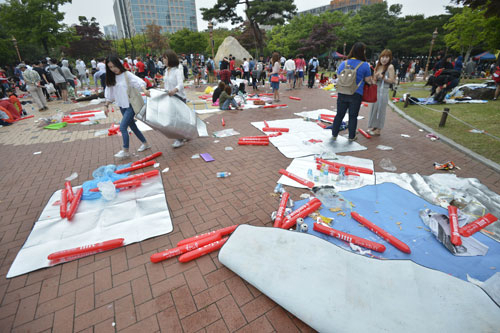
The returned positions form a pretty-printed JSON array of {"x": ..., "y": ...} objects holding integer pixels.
[
  {"x": 174, "y": 82},
  {"x": 118, "y": 80}
]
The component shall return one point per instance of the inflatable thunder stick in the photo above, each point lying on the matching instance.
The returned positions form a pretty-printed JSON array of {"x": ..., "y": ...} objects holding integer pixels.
[
  {"x": 302, "y": 211},
  {"x": 84, "y": 112},
  {"x": 125, "y": 185},
  {"x": 455, "y": 236},
  {"x": 74, "y": 204},
  {"x": 349, "y": 238},
  {"x": 346, "y": 166},
  {"x": 69, "y": 191},
  {"x": 382, "y": 233},
  {"x": 148, "y": 158},
  {"x": 275, "y": 129},
  {"x": 266, "y": 124},
  {"x": 157, "y": 257},
  {"x": 366, "y": 135},
  {"x": 253, "y": 143},
  {"x": 64, "y": 204},
  {"x": 295, "y": 98},
  {"x": 139, "y": 176},
  {"x": 223, "y": 232},
  {"x": 473, "y": 227},
  {"x": 281, "y": 210},
  {"x": 223, "y": 122},
  {"x": 136, "y": 167},
  {"x": 186, "y": 257},
  {"x": 251, "y": 138},
  {"x": 336, "y": 171},
  {"x": 274, "y": 134},
  {"x": 297, "y": 178},
  {"x": 97, "y": 247}
]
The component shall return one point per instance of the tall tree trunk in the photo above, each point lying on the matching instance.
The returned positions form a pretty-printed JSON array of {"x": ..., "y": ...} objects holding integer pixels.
[
  {"x": 45, "y": 46},
  {"x": 258, "y": 36}
]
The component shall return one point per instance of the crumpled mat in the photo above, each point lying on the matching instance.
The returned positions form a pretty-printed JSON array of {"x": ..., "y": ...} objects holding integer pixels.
[
  {"x": 469, "y": 195},
  {"x": 172, "y": 117},
  {"x": 333, "y": 290}
]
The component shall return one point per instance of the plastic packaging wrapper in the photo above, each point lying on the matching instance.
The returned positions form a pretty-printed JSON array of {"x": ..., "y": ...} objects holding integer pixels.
[
  {"x": 382, "y": 147},
  {"x": 172, "y": 117},
  {"x": 225, "y": 133},
  {"x": 108, "y": 190},
  {"x": 74, "y": 175},
  {"x": 386, "y": 164}
]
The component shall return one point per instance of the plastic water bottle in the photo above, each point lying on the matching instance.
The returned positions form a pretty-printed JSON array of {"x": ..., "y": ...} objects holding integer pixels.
[
  {"x": 278, "y": 188},
  {"x": 310, "y": 174},
  {"x": 224, "y": 174}
]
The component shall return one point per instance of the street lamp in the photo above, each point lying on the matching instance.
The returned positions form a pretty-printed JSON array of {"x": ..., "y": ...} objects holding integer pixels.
[
  {"x": 14, "y": 41},
  {"x": 211, "y": 30},
  {"x": 434, "y": 35}
]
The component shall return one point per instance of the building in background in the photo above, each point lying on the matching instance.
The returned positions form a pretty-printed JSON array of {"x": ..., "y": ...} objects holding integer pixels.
[
  {"x": 341, "y": 5},
  {"x": 111, "y": 31},
  {"x": 132, "y": 16}
]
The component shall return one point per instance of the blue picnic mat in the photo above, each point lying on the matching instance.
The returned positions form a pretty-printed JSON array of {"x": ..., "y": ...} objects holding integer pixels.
[{"x": 387, "y": 204}]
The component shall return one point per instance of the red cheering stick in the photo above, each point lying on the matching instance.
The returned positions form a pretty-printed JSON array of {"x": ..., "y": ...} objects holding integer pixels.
[
  {"x": 186, "y": 257},
  {"x": 382, "y": 233},
  {"x": 346, "y": 166},
  {"x": 473, "y": 227},
  {"x": 157, "y": 257},
  {"x": 97, "y": 247},
  {"x": 74, "y": 204},
  {"x": 266, "y": 124},
  {"x": 349, "y": 238},
  {"x": 25, "y": 117},
  {"x": 328, "y": 117},
  {"x": 275, "y": 129},
  {"x": 223, "y": 232},
  {"x": 366, "y": 135},
  {"x": 140, "y": 176},
  {"x": 84, "y": 112},
  {"x": 302, "y": 211},
  {"x": 75, "y": 121},
  {"x": 364, "y": 104},
  {"x": 295, "y": 98},
  {"x": 266, "y": 94},
  {"x": 69, "y": 191},
  {"x": 125, "y": 185},
  {"x": 336, "y": 171},
  {"x": 333, "y": 96},
  {"x": 281, "y": 210},
  {"x": 320, "y": 124},
  {"x": 148, "y": 158},
  {"x": 136, "y": 167},
  {"x": 254, "y": 138},
  {"x": 82, "y": 116},
  {"x": 455, "y": 236},
  {"x": 297, "y": 178},
  {"x": 254, "y": 143},
  {"x": 64, "y": 204},
  {"x": 223, "y": 122},
  {"x": 272, "y": 135}
]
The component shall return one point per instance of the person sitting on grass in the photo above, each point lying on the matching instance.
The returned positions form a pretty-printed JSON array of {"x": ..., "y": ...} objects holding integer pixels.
[{"x": 226, "y": 99}]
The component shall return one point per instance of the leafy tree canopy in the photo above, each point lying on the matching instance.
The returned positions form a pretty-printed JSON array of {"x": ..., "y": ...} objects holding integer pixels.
[
  {"x": 188, "y": 41},
  {"x": 89, "y": 42}
]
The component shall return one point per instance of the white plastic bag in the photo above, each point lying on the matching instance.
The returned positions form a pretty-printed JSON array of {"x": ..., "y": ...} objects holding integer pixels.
[
  {"x": 172, "y": 117},
  {"x": 50, "y": 88}
]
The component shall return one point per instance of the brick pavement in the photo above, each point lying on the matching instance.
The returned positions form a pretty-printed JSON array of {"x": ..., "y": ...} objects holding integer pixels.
[{"x": 122, "y": 287}]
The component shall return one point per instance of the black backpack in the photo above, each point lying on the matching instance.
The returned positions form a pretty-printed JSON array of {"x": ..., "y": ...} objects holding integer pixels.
[{"x": 209, "y": 65}]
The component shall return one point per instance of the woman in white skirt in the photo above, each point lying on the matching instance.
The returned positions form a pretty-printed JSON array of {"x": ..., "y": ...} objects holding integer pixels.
[
  {"x": 385, "y": 75},
  {"x": 174, "y": 82}
]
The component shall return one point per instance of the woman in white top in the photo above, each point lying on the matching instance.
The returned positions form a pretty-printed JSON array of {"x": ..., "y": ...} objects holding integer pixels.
[
  {"x": 116, "y": 91},
  {"x": 174, "y": 82}
]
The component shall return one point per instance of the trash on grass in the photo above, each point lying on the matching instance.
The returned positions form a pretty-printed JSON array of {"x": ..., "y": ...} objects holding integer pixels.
[
  {"x": 432, "y": 136},
  {"x": 165, "y": 170},
  {"x": 476, "y": 131}
]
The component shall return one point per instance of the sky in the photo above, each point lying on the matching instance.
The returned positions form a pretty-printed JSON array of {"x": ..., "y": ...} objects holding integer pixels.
[{"x": 102, "y": 10}]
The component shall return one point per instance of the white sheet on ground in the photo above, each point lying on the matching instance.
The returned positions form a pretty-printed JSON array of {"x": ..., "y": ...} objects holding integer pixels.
[
  {"x": 315, "y": 114},
  {"x": 295, "y": 143},
  {"x": 135, "y": 215},
  {"x": 248, "y": 105},
  {"x": 300, "y": 166},
  {"x": 334, "y": 290}
]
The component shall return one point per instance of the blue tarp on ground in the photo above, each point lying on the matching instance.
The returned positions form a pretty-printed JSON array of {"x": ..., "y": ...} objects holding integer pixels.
[{"x": 385, "y": 205}]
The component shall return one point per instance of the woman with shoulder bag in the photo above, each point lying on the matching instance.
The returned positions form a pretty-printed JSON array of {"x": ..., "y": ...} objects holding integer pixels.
[
  {"x": 352, "y": 89},
  {"x": 384, "y": 75},
  {"x": 118, "y": 79},
  {"x": 275, "y": 76},
  {"x": 174, "y": 82}
]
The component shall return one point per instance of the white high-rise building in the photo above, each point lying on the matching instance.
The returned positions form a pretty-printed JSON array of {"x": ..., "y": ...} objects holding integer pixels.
[
  {"x": 132, "y": 16},
  {"x": 111, "y": 31}
]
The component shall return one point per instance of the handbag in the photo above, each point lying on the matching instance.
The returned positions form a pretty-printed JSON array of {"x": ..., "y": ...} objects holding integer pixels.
[
  {"x": 275, "y": 78},
  {"x": 369, "y": 93},
  {"x": 134, "y": 97}
]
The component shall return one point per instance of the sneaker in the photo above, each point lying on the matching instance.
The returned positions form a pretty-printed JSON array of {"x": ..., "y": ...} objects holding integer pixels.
[
  {"x": 333, "y": 138},
  {"x": 122, "y": 154},
  {"x": 353, "y": 139},
  {"x": 178, "y": 143},
  {"x": 144, "y": 146}
]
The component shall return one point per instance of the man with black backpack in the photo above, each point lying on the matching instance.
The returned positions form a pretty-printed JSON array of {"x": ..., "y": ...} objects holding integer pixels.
[
  {"x": 352, "y": 75},
  {"x": 312, "y": 67},
  {"x": 210, "y": 69}
]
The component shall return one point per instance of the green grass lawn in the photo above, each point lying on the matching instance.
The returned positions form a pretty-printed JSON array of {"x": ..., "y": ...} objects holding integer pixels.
[{"x": 482, "y": 116}]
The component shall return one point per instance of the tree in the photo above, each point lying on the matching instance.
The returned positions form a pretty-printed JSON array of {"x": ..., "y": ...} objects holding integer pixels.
[
  {"x": 321, "y": 39},
  {"x": 90, "y": 42},
  {"x": 218, "y": 36},
  {"x": 247, "y": 39},
  {"x": 188, "y": 41},
  {"x": 465, "y": 30},
  {"x": 35, "y": 21},
  {"x": 258, "y": 12},
  {"x": 491, "y": 7},
  {"x": 156, "y": 41}
]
